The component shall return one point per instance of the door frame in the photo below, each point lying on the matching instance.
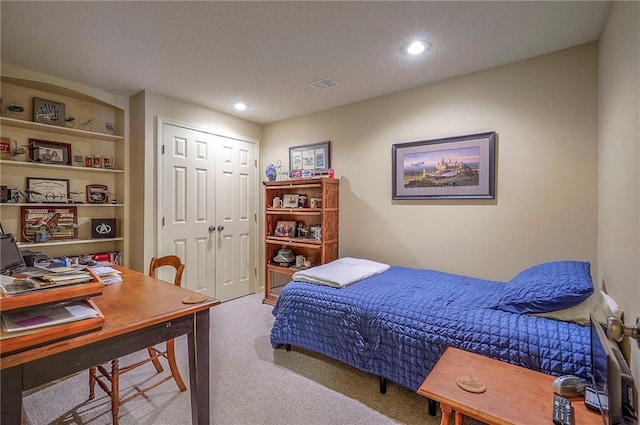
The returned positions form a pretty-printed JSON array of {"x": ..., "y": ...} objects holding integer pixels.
[{"x": 160, "y": 122}]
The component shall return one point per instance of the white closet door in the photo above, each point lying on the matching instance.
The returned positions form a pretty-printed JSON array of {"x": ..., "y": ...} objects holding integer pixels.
[{"x": 208, "y": 209}]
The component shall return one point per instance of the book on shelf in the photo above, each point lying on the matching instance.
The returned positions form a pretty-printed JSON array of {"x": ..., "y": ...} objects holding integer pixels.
[{"x": 28, "y": 318}]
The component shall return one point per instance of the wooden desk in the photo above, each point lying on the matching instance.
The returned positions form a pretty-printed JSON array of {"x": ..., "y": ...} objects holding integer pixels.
[
  {"x": 139, "y": 312},
  {"x": 514, "y": 395}
]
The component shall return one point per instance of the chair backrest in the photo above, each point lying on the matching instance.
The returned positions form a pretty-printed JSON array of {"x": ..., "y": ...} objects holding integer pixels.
[{"x": 168, "y": 260}]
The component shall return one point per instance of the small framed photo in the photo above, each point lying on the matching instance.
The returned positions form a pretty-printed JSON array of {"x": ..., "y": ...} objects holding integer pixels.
[
  {"x": 285, "y": 229},
  {"x": 41, "y": 190},
  {"x": 315, "y": 232},
  {"x": 48, "y": 112},
  {"x": 290, "y": 201},
  {"x": 97, "y": 194},
  {"x": 48, "y": 152}
]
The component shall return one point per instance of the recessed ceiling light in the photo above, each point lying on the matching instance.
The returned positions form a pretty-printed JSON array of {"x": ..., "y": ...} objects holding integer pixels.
[
  {"x": 240, "y": 106},
  {"x": 416, "y": 47}
]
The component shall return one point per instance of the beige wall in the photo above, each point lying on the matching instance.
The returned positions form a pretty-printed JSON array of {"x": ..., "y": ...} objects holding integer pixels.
[
  {"x": 544, "y": 111},
  {"x": 619, "y": 155},
  {"x": 145, "y": 107}
]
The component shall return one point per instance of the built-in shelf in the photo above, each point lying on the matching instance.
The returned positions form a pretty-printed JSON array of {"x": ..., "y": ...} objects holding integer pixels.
[
  {"x": 43, "y": 204},
  {"x": 8, "y": 162},
  {"x": 30, "y": 125},
  {"x": 66, "y": 242}
]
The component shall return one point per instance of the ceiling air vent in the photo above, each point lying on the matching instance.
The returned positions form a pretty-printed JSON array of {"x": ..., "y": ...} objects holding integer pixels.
[{"x": 325, "y": 83}]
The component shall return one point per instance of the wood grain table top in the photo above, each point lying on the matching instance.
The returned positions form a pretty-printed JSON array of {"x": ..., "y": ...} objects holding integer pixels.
[
  {"x": 139, "y": 301},
  {"x": 514, "y": 395}
]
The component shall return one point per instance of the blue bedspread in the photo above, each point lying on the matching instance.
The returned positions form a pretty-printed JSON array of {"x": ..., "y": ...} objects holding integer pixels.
[{"x": 397, "y": 325}]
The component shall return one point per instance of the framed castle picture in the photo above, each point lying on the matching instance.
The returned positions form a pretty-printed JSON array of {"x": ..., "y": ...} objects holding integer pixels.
[{"x": 461, "y": 167}]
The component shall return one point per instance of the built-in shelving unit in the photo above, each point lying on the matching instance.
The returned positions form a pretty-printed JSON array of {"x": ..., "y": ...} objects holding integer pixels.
[{"x": 95, "y": 139}]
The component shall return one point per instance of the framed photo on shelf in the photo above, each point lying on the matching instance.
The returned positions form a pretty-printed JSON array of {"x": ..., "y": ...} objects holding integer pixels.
[
  {"x": 41, "y": 190},
  {"x": 285, "y": 229},
  {"x": 460, "y": 167},
  {"x": 290, "y": 201},
  {"x": 97, "y": 194},
  {"x": 48, "y": 152},
  {"x": 48, "y": 112},
  {"x": 43, "y": 224},
  {"x": 315, "y": 232},
  {"x": 313, "y": 158}
]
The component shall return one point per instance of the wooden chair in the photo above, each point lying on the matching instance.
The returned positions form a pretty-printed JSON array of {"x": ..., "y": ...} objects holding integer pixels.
[{"x": 109, "y": 380}]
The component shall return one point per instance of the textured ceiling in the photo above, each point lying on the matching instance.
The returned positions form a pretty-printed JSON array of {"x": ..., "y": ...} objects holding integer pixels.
[{"x": 267, "y": 53}]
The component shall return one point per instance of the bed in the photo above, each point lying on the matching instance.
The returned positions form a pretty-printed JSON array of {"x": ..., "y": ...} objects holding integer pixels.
[{"x": 396, "y": 323}]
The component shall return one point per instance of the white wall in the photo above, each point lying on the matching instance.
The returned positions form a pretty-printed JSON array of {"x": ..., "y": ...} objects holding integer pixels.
[
  {"x": 619, "y": 155},
  {"x": 544, "y": 111},
  {"x": 145, "y": 107}
]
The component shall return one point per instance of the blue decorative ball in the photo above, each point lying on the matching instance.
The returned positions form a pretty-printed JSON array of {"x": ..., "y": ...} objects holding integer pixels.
[{"x": 270, "y": 171}]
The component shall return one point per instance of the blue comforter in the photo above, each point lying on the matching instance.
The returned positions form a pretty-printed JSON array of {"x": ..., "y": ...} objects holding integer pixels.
[{"x": 397, "y": 325}]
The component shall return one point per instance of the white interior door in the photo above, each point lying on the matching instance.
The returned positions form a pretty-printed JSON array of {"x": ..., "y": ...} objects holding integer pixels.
[
  {"x": 235, "y": 217},
  {"x": 208, "y": 209},
  {"x": 187, "y": 190}
]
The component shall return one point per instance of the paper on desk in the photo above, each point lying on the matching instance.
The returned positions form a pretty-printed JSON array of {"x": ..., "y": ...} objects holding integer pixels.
[
  {"x": 41, "y": 316},
  {"x": 109, "y": 275}
]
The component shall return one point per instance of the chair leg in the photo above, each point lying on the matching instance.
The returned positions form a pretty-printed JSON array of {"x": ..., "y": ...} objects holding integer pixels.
[
  {"x": 115, "y": 390},
  {"x": 171, "y": 357},
  {"x": 92, "y": 383},
  {"x": 154, "y": 359}
]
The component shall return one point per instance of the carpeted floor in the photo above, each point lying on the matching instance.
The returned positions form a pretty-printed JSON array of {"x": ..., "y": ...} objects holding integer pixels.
[{"x": 251, "y": 383}]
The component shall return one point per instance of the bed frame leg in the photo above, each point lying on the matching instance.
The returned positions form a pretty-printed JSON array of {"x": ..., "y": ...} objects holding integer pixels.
[
  {"x": 432, "y": 407},
  {"x": 383, "y": 385},
  {"x": 287, "y": 347}
]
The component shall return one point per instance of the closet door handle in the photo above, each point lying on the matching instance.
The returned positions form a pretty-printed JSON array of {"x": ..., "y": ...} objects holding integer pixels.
[
  {"x": 220, "y": 228},
  {"x": 212, "y": 229}
]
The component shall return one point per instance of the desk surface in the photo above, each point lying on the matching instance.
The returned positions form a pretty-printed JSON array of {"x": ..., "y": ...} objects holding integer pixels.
[
  {"x": 136, "y": 303},
  {"x": 514, "y": 395}
]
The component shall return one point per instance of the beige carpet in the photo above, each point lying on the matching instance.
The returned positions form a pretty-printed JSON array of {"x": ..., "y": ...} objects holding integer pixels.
[{"x": 250, "y": 384}]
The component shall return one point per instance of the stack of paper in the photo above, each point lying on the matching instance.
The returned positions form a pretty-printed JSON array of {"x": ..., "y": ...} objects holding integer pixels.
[
  {"x": 47, "y": 278},
  {"x": 108, "y": 275},
  {"x": 41, "y": 316}
]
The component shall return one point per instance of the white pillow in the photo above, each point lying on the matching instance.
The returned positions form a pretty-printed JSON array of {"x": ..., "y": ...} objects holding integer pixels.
[{"x": 599, "y": 305}]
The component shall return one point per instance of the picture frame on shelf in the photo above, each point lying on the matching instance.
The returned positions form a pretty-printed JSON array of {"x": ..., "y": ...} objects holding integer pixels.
[
  {"x": 44, "y": 224},
  {"x": 285, "y": 228},
  {"x": 97, "y": 194},
  {"x": 311, "y": 158},
  {"x": 48, "y": 112},
  {"x": 315, "y": 232},
  {"x": 49, "y": 152},
  {"x": 461, "y": 167},
  {"x": 43, "y": 190},
  {"x": 290, "y": 200}
]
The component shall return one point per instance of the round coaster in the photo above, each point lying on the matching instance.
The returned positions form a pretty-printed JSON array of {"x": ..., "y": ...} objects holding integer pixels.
[
  {"x": 471, "y": 384},
  {"x": 194, "y": 299}
]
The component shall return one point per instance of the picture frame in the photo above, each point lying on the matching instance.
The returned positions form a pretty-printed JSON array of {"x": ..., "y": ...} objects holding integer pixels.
[
  {"x": 48, "y": 112},
  {"x": 461, "y": 167},
  {"x": 43, "y": 190},
  {"x": 290, "y": 201},
  {"x": 313, "y": 158},
  {"x": 97, "y": 194},
  {"x": 56, "y": 223},
  {"x": 49, "y": 152},
  {"x": 285, "y": 228},
  {"x": 315, "y": 232}
]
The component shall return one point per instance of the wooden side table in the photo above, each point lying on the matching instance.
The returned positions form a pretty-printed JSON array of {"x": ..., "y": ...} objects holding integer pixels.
[{"x": 514, "y": 395}]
